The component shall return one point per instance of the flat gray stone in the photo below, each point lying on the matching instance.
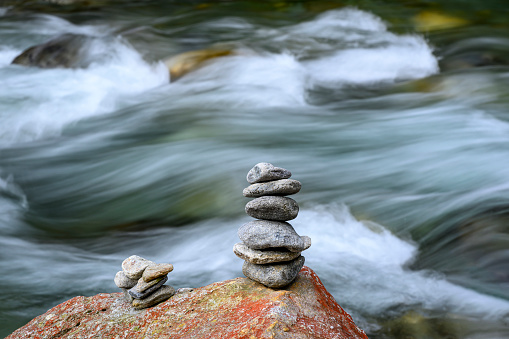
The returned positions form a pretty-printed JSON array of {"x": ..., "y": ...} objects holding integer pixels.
[
  {"x": 262, "y": 234},
  {"x": 143, "y": 294},
  {"x": 276, "y": 187},
  {"x": 122, "y": 281},
  {"x": 273, "y": 275},
  {"x": 273, "y": 208},
  {"x": 162, "y": 294},
  {"x": 262, "y": 256},
  {"x": 142, "y": 285},
  {"x": 266, "y": 172},
  {"x": 134, "y": 266},
  {"x": 155, "y": 271}
]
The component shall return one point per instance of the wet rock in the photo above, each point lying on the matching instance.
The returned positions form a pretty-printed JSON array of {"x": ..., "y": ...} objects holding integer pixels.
[
  {"x": 162, "y": 294},
  {"x": 122, "y": 281},
  {"x": 181, "y": 64},
  {"x": 155, "y": 271},
  {"x": 65, "y": 51},
  {"x": 261, "y": 234},
  {"x": 146, "y": 291},
  {"x": 265, "y": 171},
  {"x": 273, "y": 275},
  {"x": 134, "y": 266},
  {"x": 273, "y": 208},
  {"x": 263, "y": 256},
  {"x": 237, "y": 308},
  {"x": 277, "y": 187}
]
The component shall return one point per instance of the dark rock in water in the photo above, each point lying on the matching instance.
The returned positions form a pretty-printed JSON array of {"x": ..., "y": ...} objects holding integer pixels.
[
  {"x": 266, "y": 172},
  {"x": 65, "y": 51},
  {"x": 162, "y": 294},
  {"x": 273, "y": 208},
  {"x": 261, "y": 234},
  {"x": 140, "y": 295},
  {"x": 273, "y": 275},
  {"x": 276, "y": 187},
  {"x": 263, "y": 256}
]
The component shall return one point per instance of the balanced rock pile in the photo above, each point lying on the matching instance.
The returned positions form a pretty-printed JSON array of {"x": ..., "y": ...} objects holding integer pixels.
[
  {"x": 142, "y": 282},
  {"x": 270, "y": 246}
]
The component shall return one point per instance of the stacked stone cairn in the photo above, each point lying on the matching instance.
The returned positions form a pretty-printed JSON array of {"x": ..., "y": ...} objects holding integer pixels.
[
  {"x": 270, "y": 246},
  {"x": 142, "y": 282}
]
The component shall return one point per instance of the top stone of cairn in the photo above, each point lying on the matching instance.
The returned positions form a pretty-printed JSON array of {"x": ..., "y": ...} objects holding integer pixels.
[{"x": 266, "y": 172}]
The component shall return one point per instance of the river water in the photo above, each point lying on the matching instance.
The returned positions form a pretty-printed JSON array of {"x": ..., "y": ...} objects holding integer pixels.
[{"x": 393, "y": 116}]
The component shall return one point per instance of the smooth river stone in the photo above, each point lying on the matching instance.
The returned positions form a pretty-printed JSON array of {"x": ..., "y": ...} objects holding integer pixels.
[
  {"x": 266, "y": 172},
  {"x": 122, "y": 281},
  {"x": 262, "y": 256},
  {"x": 277, "y": 187},
  {"x": 273, "y": 275},
  {"x": 155, "y": 271},
  {"x": 273, "y": 208},
  {"x": 261, "y": 234},
  {"x": 143, "y": 294},
  {"x": 134, "y": 266},
  {"x": 162, "y": 294}
]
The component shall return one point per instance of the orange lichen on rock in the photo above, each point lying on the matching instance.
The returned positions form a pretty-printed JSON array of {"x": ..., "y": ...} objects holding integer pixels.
[{"x": 237, "y": 308}]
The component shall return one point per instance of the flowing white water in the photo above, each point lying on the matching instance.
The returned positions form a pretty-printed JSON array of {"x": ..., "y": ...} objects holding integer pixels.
[{"x": 115, "y": 143}]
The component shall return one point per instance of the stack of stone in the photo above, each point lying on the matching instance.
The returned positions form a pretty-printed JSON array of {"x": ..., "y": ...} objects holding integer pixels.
[
  {"x": 142, "y": 282},
  {"x": 270, "y": 247}
]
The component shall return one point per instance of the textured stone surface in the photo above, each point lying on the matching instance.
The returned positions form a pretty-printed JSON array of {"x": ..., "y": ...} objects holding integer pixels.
[
  {"x": 273, "y": 275},
  {"x": 145, "y": 293},
  {"x": 262, "y": 256},
  {"x": 277, "y": 187},
  {"x": 122, "y": 281},
  {"x": 134, "y": 266},
  {"x": 142, "y": 285},
  {"x": 273, "y": 208},
  {"x": 155, "y": 271},
  {"x": 262, "y": 234},
  {"x": 266, "y": 172},
  {"x": 127, "y": 296},
  {"x": 155, "y": 298},
  {"x": 238, "y": 308}
]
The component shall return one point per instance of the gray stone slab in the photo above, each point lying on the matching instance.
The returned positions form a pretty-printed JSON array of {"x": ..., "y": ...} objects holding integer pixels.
[
  {"x": 262, "y": 234},
  {"x": 122, "y": 281},
  {"x": 274, "y": 275},
  {"x": 276, "y": 187},
  {"x": 262, "y": 256},
  {"x": 273, "y": 208},
  {"x": 162, "y": 294},
  {"x": 153, "y": 272},
  {"x": 143, "y": 294},
  {"x": 266, "y": 172},
  {"x": 134, "y": 266}
]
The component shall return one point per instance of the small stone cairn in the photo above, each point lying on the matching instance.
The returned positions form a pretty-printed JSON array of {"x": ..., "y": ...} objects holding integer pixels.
[
  {"x": 142, "y": 282},
  {"x": 270, "y": 246}
]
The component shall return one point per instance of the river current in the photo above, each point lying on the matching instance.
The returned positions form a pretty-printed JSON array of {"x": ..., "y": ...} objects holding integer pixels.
[{"x": 399, "y": 136}]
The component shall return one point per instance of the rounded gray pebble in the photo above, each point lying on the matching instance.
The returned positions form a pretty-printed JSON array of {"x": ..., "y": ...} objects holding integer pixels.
[
  {"x": 266, "y": 172},
  {"x": 273, "y": 208},
  {"x": 122, "y": 281},
  {"x": 274, "y": 275},
  {"x": 261, "y": 234},
  {"x": 262, "y": 256},
  {"x": 277, "y": 187},
  {"x": 134, "y": 266}
]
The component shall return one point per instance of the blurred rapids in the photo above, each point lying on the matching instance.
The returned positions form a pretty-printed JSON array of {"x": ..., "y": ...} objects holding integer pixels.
[{"x": 394, "y": 118}]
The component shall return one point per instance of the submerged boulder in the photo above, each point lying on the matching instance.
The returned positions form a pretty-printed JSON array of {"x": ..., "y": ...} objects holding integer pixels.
[{"x": 237, "y": 308}]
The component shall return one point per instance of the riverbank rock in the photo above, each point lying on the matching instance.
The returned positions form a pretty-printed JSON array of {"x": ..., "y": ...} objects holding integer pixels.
[{"x": 237, "y": 308}]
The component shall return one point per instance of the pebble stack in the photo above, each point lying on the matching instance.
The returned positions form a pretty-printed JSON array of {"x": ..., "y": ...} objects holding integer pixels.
[
  {"x": 270, "y": 246},
  {"x": 142, "y": 282}
]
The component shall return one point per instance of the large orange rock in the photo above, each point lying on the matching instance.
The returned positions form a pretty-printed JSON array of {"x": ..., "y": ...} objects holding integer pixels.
[{"x": 238, "y": 308}]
